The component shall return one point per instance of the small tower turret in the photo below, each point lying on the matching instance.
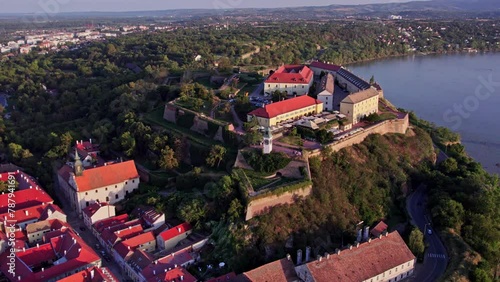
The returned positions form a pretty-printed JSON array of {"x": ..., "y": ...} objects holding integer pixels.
[
  {"x": 268, "y": 141},
  {"x": 78, "y": 164}
]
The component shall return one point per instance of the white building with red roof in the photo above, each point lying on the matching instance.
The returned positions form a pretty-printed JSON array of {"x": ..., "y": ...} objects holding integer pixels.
[
  {"x": 36, "y": 231},
  {"x": 25, "y": 216},
  {"x": 151, "y": 218},
  {"x": 171, "y": 237},
  {"x": 97, "y": 211},
  {"x": 293, "y": 79},
  {"x": 290, "y": 109},
  {"x": 176, "y": 274},
  {"x": 93, "y": 274},
  {"x": 386, "y": 258},
  {"x": 181, "y": 258},
  {"x": 319, "y": 67},
  {"x": 98, "y": 227},
  {"x": 108, "y": 183},
  {"x": 63, "y": 253},
  {"x": 123, "y": 250}
]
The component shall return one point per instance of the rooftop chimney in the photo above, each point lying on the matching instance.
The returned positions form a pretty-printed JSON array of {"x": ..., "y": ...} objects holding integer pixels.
[
  {"x": 369, "y": 240},
  {"x": 360, "y": 235},
  {"x": 37, "y": 245},
  {"x": 350, "y": 247},
  {"x": 288, "y": 257},
  {"x": 299, "y": 257},
  {"x": 182, "y": 277},
  {"x": 43, "y": 269},
  {"x": 319, "y": 258},
  {"x": 366, "y": 234},
  {"x": 327, "y": 255},
  {"x": 154, "y": 272},
  {"x": 380, "y": 236},
  {"x": 308, "y": 253},
  {"x": 337, "y": 251},
  {"x": 26, "y": 212},
  {"x": 92, "y": 274},
  {"x": 178, "y": 228},
  {"x": 18, "y": 278},
  {"x": 356, "y": 244},
  {"x": 79, "y": 250}
]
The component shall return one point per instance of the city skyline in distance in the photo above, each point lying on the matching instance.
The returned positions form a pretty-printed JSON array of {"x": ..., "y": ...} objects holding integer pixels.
[{"x": 64, "y": 6}]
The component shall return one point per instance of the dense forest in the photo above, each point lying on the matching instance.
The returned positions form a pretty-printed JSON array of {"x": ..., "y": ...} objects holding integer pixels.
[{"x": 92, "y": 92}]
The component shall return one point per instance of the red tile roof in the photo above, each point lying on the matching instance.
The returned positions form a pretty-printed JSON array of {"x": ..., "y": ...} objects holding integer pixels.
[
  {"x": 51, "y": 224},
  {"x": 286, "y": 106},
  {"x": 173, "y": 275},
  {"x": 93, "y": 274},
  {"x": 294, "y": 74},
  {"x": 112, "y": 236},
  {"x": 25, "y": 198},
  {"x": 379, "y": 229},
  {"x": 124, "y": 248},
  {"x": 77, "y": 255},
  {"x": 140, "y": 260},
  {"x": 39, "y": 212},
  {"x": 277, "y": 271},
  {"x": 325, "y": 66},
  {"x": 366, "y": 261},
  {"x": 175, "y": 231},
  {"x": 106, "y": 175},
  {"x": 108, "y": 222},
  {"x": 176, "y": 259}
]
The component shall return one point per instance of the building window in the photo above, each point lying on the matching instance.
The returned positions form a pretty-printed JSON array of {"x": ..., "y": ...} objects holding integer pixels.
[
  {"x": 116, "y": 196},
  {"x": 106, "y": 189},
  {"x": 96, "y": 191},
  {"x": 86, "y": 193},
  {"x": 87, "y": 203},
  {"x": 116, "y": 186},
  {"x": 126, "y": 182},
  {"x": 133, "y": 180},
  {"x": 107, "y": 199}
]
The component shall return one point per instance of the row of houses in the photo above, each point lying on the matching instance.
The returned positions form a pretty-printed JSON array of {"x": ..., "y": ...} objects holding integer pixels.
[
  {"x": 144, "y": 246},
  {"x": 36, "y": 242}
]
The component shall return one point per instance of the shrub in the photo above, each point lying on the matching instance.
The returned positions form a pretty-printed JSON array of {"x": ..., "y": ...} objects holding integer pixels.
[{"x": 267, "y": 163}]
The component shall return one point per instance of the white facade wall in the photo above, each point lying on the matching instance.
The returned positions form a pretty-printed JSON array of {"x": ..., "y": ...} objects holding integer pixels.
[
  {"x": 327, "y": 100},
  {"x": 103, "y": 212},
  {"x": 397, "y": 273},
  {"x": 110, "y": 194},
  {"x": 290, "y": 88}
]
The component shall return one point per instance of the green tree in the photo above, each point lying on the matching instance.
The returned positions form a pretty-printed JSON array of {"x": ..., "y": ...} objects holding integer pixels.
[
  {"x": 449, "y": 213},
  {"x": 17, "y": 152},
  {"x": 128, "y": 144},
  {"x": 167, "y": 159},
  {"x": 192, "y": 210},
  {"x": 416, "y": 242},
  {"x": 235, "y": 210},
  {"x": 216, "y": 155},
  {"x": 372, "y": 80}
]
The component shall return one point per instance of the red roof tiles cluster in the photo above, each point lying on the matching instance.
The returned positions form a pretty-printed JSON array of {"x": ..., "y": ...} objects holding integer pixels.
[
  {"x": 40, "y": 212},
  {"x": 93, "y": 274},
  {"x": 294, "y": 74},
  {"x": 109, "y": 222},
  {"x": 112, "y": 237},
  {"x": 170, "y": 261},
  {"x": 148, "y": 214},
  {"x": 286, "y": 106},
  {"x": 93, "y": 208},
  {"x": 127, "y": 247},
  {"x": 177, "y": 274},
  {"x": 66, "y": 249},
  {"x": 379, "y": 229}
]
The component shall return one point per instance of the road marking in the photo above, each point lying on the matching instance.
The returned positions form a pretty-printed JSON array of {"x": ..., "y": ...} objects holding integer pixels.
[{"x": 439, "y": 256}]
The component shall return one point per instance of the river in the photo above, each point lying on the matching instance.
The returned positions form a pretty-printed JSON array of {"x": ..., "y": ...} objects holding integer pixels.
[{"x": 459, "y": 91}]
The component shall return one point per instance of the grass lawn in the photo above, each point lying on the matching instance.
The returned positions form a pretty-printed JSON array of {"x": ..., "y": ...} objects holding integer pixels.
[
  {"x": 292, "y": 140},
  {"x": 206, "y": 82}
]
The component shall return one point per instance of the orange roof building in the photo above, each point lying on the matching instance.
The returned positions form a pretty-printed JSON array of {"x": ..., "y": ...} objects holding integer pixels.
[
  {"x": 386, "y": 258},
  {"x": 277, "y": 271},
  {"x": 109, "y": 183},
  {"x": 294, "y": 108}
]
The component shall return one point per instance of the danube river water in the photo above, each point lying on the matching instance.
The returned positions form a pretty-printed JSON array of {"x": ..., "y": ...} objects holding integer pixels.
[{"x": 460, "y": 91}]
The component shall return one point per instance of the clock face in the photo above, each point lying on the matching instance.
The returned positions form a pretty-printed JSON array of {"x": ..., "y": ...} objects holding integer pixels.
[{"x": 266, "y": 142}]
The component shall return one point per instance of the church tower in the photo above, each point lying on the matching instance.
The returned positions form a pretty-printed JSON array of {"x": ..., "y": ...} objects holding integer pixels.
[
  {"x": 268, "y": 141},
  {"x": 78, "y": 164}
]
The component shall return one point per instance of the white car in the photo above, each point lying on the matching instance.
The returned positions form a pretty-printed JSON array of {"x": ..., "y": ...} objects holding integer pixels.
[{"x": 429, "y": 231}]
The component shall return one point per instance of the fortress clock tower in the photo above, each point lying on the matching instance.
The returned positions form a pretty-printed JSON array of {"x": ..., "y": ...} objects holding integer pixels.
[{"x": 268, "y": 141}]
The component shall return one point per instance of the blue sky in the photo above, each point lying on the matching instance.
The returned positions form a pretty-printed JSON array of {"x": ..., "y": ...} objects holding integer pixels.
[{"x": 55, "y": 6}]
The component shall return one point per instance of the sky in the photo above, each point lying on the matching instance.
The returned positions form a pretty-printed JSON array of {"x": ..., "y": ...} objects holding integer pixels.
[{"x": 56, "y": 6}]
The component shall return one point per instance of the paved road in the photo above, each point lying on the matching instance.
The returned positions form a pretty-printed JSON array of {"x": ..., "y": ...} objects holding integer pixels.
[{"x": 436, "y": 258}]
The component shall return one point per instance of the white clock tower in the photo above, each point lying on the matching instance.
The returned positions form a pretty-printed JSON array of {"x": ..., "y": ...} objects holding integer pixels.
[{"x": 268, "y": 141}]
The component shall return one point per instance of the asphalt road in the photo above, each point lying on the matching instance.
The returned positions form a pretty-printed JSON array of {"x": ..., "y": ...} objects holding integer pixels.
[{"x": 436, "y": 258}]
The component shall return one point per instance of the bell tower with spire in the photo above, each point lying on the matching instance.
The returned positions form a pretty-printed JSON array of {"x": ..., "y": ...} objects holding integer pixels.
[
  {"x": 78, "y": 164},
  {"x": 268, "y": 141}
]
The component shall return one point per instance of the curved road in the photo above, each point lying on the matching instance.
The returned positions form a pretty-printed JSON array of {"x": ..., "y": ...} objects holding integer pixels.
[{"x": 435, "y": 257}]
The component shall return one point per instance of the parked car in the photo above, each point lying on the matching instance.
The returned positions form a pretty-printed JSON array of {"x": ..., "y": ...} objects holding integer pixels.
[{"x": 429, "y": 231}]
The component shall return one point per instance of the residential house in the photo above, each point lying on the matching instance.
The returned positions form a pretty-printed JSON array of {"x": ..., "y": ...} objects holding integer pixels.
[
  {"x": 175, "y": 274},
  {"x": 181, "y": 258},
  {"x": 151, "y": 218},
  {"x": 171, "y": 237},
  {"x": 294, "y": 108},
  {"x": 36, "y": 231},
  {"x": 63, "y": 253},
  {"x": 97, "y": 211},
  {"x": 123, "y": 250},
  {"x": 137, "y": 263},
  {"x": 98, "y": 227},
  {"x": 292, "y": 79},
  {"x": 93, "y": 274},
  {"x": 33, "y": 214}
]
